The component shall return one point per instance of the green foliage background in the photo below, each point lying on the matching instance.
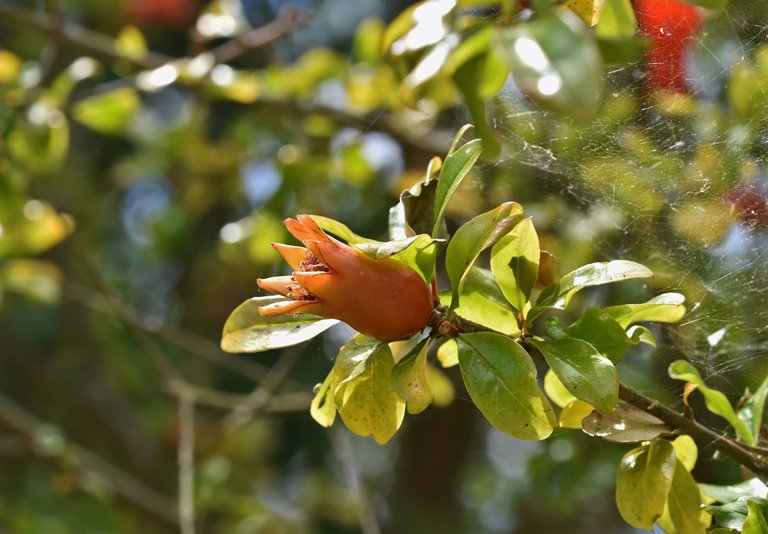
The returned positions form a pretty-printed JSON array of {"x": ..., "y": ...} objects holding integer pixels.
[{"x": 138, "y": 201}]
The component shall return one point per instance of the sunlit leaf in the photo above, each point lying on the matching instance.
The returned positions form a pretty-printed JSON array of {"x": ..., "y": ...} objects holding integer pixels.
[
  {"x": 10, "y": 66},
  {"x": 409, "y": 376},
  {"x": 473, "y": 237},
  {"x": 417, "y": 252},
  {"x": 594, "y": 274},
  {"x": 246, "y": 330},
  {"x": 715, "y": 400},
  {"x": 586, "y": 373},
  {"x": 448, "y": 353},
  {"x": 617, "y": 20},
  {"x": 363, "y": 390},
  {"x": 643, "y": 481},
  {"x": 483, "y": 303},
  {"x": 686, "y": 450},
  {"x": 664, "y": 308},
  {"x": 751, "y": 412},
  {"x": 755, "y": 523},
  {"x": 754, "y": 487},
  {"x": 734, "y": 514},
  {"x": 602, "y": 332},
  {"x": 682, "y": 511},
  {"x": 38, "y": 280},
  {"x": 455, "y": 168},
  {"x": 573, "y": 414},
  {"x": 441, "y": 386},
  {"x": 556, "y": 62},
  {"x": 130, "y": 43},
  {"x": 588, "y": 10},
  {"x": 515, "y": 263},
  {"x": 501, "y": 380},
  {"x": 323, "y": 409},
  {"x": 108, "y": 113},
  {"x": 556, "y": 391},
  {"x": 626, "y": 424}
]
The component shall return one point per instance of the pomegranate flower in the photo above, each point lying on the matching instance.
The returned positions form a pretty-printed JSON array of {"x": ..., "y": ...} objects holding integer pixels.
[{"x": 381, "y": 298}]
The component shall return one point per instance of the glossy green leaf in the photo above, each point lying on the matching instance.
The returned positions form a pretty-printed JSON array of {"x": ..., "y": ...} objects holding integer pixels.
[
  {"x": 515, "y": 263},
  {"x": 108, "y": 113},
  {"x": 473, "y": 237},
  {"x": 483, "y": 303},
  {"x": 643, "y": 481},
  {"x": 246, "y": 330},
  {"x": 586, "y": 373},
  {"x": 753, "y": 408},
  {"x": 617, "y": 20},
  {"x": 755, "y": 523},
  {"x": 501, "y": 380},
  {"x": 602, "y": 332},
  {"x": 734, "y": 514},
  {"x": 455, "y": 168},
  {"x": 556, "y": 62},
  {"x": 686, "y": 451},
  {"x": 322, "y": 408},
  {"x": 594, "y": 274},
  {"x": 363, "y": 391},
  {"x": 664, "y": 308},
  {"x": 754, "y": 487},
  {"x": 341, "y": 231},
  {"x": 715, "y": 400},
  {"x": 682, "y": 511},
  {"x": 626, "y": 424},
  {"x": 409, "y": 376}
]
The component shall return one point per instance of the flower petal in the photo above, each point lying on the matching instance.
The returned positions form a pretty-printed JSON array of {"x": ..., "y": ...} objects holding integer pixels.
[
  {"x": 292, "y": 255},
  {"x": 276, "y": 284},
  {"x": 302, "y": 231},
  {"x": 284, "y": 307}
]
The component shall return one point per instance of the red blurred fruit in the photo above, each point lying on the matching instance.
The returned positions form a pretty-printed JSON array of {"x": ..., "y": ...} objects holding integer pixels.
[
  {"x": 748, "y": 205},
  {"x": 671, "y": 25},
  {"x": 167, "y": 13}
]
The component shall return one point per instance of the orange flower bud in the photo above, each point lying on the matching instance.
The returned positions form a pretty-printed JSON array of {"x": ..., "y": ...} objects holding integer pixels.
[{"x": 381, "y": 298}]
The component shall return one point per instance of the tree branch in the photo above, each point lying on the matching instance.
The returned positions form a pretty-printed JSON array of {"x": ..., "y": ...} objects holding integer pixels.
[
  {"x": 127, "y": 486},
  {"x": 186, "y": 459},
  {"x": 257, "y": 37},
  {"x": 753, "y": 458}
]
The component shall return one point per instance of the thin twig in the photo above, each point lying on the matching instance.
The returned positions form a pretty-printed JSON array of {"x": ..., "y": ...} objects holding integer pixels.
[
  {"x": 186, "y": 459},
  {"x": 76, "y": 36},
  {"x": 124, "y": 484},
  {"x": 750, "y": 458},
  {"x": 365, "y": 512},
  {"x": 257, "y": 37}
]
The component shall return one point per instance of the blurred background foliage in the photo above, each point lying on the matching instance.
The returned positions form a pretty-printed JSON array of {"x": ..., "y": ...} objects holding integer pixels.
[{"x": 147, "y": 162}]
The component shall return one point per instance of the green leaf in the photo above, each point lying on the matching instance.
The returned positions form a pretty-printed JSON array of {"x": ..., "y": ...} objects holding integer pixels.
[
  {"x": 752, "y": 410},
  {"x": 475, "y": 79},
  {"x": 448, "y": 353},
  {"x": 586, "y": 373},
  {"x": 602, "y": 332},
  {"x": 501, "y": 380},
  {"x": 556, "y": 391},
  {"x": 475, "y": 236},
  {"x": 108, "y": 113},
  {"x": 664, "y": 308},
  {"x": 754, "y": 487},
  {"x": 715, "y": 400},
  {"x": 409, "y": 376},
  {"x": 455, "y": 167},
  {"x": 483, "y": 303},
  {"x": 515, "y": 263},
  {"x": 558, "y": 296},
  {"x": 362, "y": 389},
  {"x": 686, "y": 450},
  {"x": 755, "y": 523},
  {"x": 588, "y": 10},
  {"x": 682, "y": 511},
  {"x": 246, "y": 330},
  {"x": 414, "y": 214},
  {"x": 734, "y": 514},
  {"x": 556, "y": 62},
  {"x": 322, "y": 408},
  {"x": 131, "y": 43},
  {"x": 417, "y": 252},
  {"x": 626, "y": 424},
  {"x": 643, "y": 481},
  {"x": 617, "y": 20},
  {"x": 341, "y": 231}
]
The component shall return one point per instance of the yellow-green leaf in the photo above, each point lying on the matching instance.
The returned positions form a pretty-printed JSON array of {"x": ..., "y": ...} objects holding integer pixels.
[
  {"x": 108, "y": 113},
  {"x": 682, "y": 510},
  {"x": 323, "y": 409}
]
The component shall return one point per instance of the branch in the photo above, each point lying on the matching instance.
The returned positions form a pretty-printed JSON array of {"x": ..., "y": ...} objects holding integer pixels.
[
  {"x": 257, "y": 37},
  {"x": 127, "y": 486},
  {"x": 754, "y": 458},
  {"x": 76, "y": 36},
  {"x": 186, "y": 459}
]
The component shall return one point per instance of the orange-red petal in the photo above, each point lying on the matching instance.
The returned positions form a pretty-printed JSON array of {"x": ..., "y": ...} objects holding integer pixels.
[
  {"x": 292, "y": 255},
  {"x": 284, "y": 307},
  {"x": 317, "y": 282},
  {"x": 276, "y": 284},
  {"x": 302, "y": 231}
]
